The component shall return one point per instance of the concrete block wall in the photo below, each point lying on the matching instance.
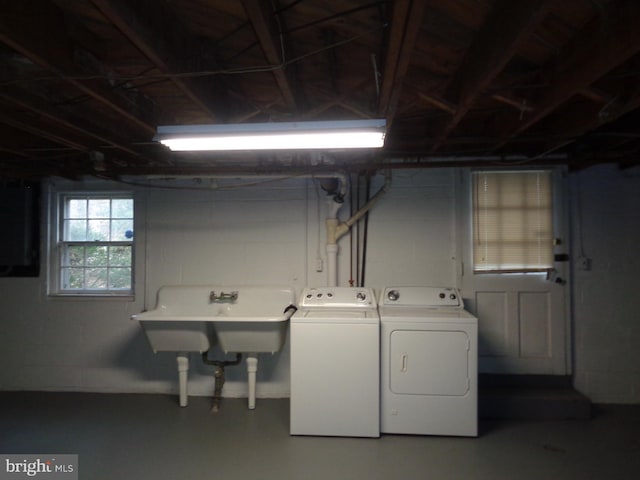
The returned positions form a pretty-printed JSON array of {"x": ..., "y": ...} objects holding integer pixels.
[
  {"x": 273, "y": 233},
  {"x": 606, "y": 301}
]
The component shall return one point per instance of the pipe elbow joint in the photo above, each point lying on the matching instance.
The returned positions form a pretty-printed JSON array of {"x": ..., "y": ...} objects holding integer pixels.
[{"x": 341, "y": 230}]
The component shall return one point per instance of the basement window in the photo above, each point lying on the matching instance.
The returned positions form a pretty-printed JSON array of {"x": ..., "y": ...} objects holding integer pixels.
[
  {"x": 512, "y": 221},
  {"x": 93, "y": 245}
]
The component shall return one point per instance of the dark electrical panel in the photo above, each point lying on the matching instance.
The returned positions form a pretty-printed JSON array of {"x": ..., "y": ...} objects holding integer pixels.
[{"x": 19, "y": 229}]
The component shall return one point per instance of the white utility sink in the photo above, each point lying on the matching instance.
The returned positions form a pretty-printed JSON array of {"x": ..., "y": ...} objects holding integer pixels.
[{"x": 243, "y": 319}]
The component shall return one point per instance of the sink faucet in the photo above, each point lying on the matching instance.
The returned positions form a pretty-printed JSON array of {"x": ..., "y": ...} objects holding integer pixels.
[{"x": 223, "y": 297}]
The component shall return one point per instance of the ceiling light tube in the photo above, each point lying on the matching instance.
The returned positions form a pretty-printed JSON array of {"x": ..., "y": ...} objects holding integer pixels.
[{"x": 274, "y": 136}]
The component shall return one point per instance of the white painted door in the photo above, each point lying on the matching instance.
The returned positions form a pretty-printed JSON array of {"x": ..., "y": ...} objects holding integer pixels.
[{"x": 523, "y": 319}]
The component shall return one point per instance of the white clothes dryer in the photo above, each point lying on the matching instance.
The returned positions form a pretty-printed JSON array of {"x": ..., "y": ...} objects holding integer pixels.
[
  {"x": 429, "y": 362},
  {"x": 335, "y": 359}
]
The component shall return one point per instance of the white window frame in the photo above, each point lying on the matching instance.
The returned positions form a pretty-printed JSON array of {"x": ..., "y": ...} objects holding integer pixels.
[{"x": 57, "y": 199}]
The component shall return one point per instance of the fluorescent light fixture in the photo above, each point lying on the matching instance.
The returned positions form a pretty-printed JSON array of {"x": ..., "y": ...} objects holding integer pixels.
[{"x": 274, "y": 136}]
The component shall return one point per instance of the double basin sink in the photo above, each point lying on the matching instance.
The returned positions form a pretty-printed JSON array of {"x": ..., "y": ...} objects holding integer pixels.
[{"x": 241, "y": 319}]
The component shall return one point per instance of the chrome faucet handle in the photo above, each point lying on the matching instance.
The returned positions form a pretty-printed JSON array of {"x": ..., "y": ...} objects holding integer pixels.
[{"x": 233, "y": 296}]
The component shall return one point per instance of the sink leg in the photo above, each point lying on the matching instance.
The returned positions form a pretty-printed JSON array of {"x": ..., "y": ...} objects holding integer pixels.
[
  {"x": 183, "y": 373},
  {"x": 252, "y": 368}
]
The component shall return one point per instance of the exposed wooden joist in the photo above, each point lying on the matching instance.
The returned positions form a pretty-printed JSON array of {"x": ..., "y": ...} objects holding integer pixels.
[
  {"x": 519, "y": 104},
  {"x": 604, "y": 43},
  {"x": 262, "y": 19},
  {"x": 438, "y": 102},
  {"x": 595, "y": 95},
  {"x": 35, "y": 126},
  {"x": 406, "y": 20},
  {"x": 580, "y": 121},
  {"x": 508, "y": 24},
  {"x": 35, "y": 29},
  {"x": 341, "y": 100},
  {"x": 160, "y": 37},
  {"x": 254, "y": 113},
  {"x": 13, "y": 151},
  {"x": 57, "y": 116}
]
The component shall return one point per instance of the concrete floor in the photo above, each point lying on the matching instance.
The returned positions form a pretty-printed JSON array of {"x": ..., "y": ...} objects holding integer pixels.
[{"x": 151, "y": 437}]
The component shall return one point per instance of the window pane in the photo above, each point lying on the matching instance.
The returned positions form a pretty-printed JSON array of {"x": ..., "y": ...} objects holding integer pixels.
[
  {"x": 97, "y": 255},
  {"x": 74, "y": 257},
  {"x": 98, "y": 230},
  {"x": 73, "y": 278},
  {"x": 120, "y": 278},
  {"x": 97, "y": 278},
  {"x": 75, "y": 230},
  {"x": 122, "y": 208},
  {"x": 121, "y": 230},
  {"x": 120, "y": 256},
  {"x": 77, "y": 208},
  {"x": 99, "y": 208}
]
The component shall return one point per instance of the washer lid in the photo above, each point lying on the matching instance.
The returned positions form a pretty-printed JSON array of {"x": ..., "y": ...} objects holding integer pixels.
[{"x": 421, "y": 296}]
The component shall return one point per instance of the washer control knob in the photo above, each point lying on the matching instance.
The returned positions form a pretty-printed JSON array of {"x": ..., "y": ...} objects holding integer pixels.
[
  {"x": 453, "y": 296},
  {"x": 361, "y": 296},
  {"x": 393, "y": 295},
  {"x": 442, "y": 295}
]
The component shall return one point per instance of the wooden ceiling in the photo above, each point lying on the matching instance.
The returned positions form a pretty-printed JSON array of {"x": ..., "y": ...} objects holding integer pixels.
[{"x": 85, "y": 83}]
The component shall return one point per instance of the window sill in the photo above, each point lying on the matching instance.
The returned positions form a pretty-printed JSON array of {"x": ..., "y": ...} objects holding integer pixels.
[{"x": 128, "y": 297}]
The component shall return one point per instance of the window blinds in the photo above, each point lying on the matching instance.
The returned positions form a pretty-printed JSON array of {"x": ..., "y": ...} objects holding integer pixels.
[{"x": 512, "y": 221}]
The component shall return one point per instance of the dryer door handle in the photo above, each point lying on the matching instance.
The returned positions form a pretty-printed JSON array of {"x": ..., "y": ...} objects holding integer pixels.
[{"x": 404, "y": 361}]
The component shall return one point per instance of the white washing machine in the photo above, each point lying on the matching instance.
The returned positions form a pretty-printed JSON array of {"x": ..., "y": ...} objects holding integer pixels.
[
  {"x": 335, "y": 358},
  {"x": 429, "y": 362}
]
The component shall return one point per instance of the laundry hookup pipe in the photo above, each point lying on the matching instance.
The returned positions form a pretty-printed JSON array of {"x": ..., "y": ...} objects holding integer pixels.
[{"x": 336, "y": 230}]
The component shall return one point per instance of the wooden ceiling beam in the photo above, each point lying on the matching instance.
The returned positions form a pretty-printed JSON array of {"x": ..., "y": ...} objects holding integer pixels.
[
  {"x": 519, "y": 104},
  {"x": 438, "y": 102},
  {"x": 341, "y": 100},
  {"x": 13, "y": 151},
  {"x": 35, "y": 29},
  {"x": 262, "y": 19},
  {"x": 35, "y": 126},
  {"x": 161, "y": 38},
  {"x": 406, "y": 20},
  {"x": 604, "y": 43},
  {"x": 507, "y": 26},
  {"x": 57, "y": 116},
  {"x": 580, "y": 121}
]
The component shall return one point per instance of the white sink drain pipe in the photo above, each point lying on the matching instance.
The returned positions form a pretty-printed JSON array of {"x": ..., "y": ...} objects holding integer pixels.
[
  {"x": 183, "y": 373},
  {"x": 252, "y": 368}
]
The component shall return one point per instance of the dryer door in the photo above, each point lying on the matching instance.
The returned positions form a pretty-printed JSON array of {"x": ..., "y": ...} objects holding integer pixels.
[{"x": 429, "y": 362}]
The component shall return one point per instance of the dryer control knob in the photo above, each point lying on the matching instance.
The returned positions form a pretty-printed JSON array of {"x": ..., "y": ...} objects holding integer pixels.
[
  {"x": 393, "y": 295},
  {"x": 361, "y": 296}
]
